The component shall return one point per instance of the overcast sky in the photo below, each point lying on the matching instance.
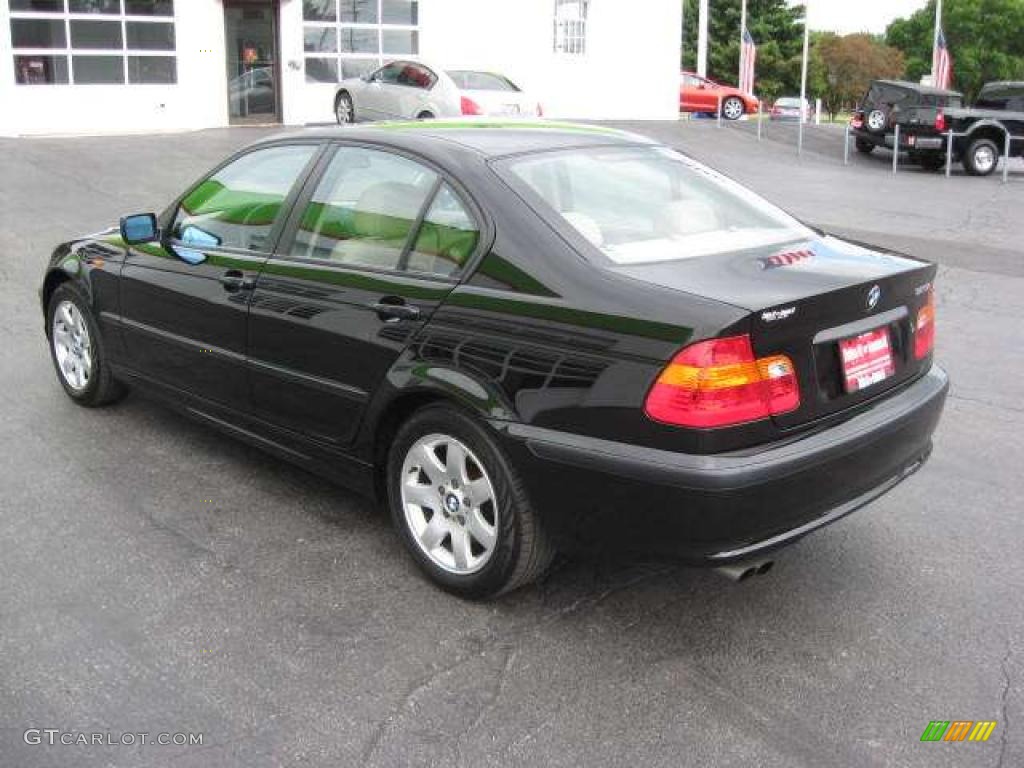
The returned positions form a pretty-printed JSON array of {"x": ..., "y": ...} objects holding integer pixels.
[{"x": 845, "y": 16}]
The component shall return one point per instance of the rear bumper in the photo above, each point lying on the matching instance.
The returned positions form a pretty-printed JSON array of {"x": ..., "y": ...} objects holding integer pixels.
[
  {"x": 908, "y": 140},
  {"x": 716, "y": 509}
]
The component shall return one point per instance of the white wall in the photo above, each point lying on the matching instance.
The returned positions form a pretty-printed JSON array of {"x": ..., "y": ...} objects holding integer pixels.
[
  {"x": 199, "y": 100},
  {"x": 630, "y": 68}
]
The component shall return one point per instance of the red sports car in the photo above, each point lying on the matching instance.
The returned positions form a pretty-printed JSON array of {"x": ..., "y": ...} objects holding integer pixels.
[{"x": 699, "y": 94}]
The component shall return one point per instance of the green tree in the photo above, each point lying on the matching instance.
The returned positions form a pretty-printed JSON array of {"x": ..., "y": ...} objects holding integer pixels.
[
  {"x": 845, "y": 65},
  {"x": 985, "y": 39},
  {"x": 777, "y": 30}
]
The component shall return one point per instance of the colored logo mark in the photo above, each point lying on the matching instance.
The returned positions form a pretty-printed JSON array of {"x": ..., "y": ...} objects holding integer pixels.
[{"x": 958, "y": 730}]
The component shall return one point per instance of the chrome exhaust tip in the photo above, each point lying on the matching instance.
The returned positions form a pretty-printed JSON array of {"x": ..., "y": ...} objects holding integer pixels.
[{"x": 744, "y": 570}]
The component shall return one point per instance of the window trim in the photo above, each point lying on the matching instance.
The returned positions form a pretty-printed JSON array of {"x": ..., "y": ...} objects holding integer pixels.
[
  {"x": 483, "y": 223},
  {"x": 380, "y": 57},
  {"x": 565, "y": 43},
  {"x": 66, "y": 17},
  {"x": 170, "y": 213}
]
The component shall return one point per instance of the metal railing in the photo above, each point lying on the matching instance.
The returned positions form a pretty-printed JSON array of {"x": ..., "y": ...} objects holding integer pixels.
[{"x": 950, "y": 135}]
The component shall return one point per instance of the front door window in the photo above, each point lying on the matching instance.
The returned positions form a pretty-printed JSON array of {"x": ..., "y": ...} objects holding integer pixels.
[{"x": 251, "y": 36}]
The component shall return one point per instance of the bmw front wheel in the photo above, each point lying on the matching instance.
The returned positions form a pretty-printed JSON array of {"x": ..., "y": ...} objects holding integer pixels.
[{"x": 76, "y": 349}]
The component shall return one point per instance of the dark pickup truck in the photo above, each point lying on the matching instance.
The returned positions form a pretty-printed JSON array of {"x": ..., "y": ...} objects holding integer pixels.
[{"x": 925, "y": 115}]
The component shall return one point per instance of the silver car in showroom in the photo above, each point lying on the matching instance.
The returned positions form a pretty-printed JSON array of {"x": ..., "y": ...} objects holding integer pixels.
[{"x": 406, "y": 90}]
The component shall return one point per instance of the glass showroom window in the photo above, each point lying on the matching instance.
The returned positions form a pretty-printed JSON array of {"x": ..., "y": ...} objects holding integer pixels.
[
  {"x": 571, "y": 26},
  {"x": 84, "y": 42},
  {"x": 347, "y": 38}
]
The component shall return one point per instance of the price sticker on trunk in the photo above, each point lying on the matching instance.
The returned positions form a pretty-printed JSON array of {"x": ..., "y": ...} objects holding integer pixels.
[{"x": 867, "y": 359}]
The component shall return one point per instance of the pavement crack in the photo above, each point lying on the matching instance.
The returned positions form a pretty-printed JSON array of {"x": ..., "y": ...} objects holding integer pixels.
[{"x": 988, "y": 403}]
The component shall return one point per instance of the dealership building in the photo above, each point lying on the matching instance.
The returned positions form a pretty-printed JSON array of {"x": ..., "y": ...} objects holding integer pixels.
[{"x": 101, "y": 66}]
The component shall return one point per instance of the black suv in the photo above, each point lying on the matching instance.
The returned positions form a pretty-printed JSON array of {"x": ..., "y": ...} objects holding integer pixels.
[{"x": 925, "y": 115}]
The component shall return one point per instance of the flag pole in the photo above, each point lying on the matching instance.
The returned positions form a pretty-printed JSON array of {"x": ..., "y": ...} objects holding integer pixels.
[
  {"x": 743, "y": 27},
  {"x": 702, "y": 39},
  {"x": 803, "y": 77},
  {"x": 935, "y": 43}
]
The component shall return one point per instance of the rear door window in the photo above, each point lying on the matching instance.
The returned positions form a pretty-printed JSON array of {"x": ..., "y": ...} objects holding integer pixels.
[
  {"x": 447, "y": 237},
  {"x": 416, "y": 76},
  {"x": 364, "y": 209}
]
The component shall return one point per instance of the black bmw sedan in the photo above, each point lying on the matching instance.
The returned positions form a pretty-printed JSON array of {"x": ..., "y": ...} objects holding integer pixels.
[{"x": 521, "y": 338}]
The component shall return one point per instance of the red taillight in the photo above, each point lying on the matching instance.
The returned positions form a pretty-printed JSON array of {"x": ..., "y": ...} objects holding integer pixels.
[
  {"x": 924, "y": 327},
  {"x": 470, "y": 107},
  {"x": 719, "y": 382},
  {"x": 940, "y": 121}
]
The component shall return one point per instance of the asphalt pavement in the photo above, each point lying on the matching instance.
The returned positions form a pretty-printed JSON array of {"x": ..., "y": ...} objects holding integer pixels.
[{"x": 158, "y": 577}]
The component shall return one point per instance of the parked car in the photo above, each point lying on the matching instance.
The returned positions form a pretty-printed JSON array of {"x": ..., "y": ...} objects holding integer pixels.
[
  {"x": 1003, "y": 96},
  {"x": 925, "y": 115},
  {"x": 702, "y": 95},
  {"x": 493, "y": 95},
  {"x": 788, "y": 108},
  {"x": 253, "y": 92},
  {"x": 519, "y": 339},
  {"x": 412, "y": 89}
]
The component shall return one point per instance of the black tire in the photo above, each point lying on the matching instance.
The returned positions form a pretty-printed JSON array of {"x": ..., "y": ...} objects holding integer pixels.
[
  {"x": 425, "y": 116},
  {"x": 735, "y": 106},
  {"x": 864, "y": 146},
  {"x": 344, "y": 111},
  {"x": 981, "y": 157},
  {"x": 102, "y": 388},
  {"x": 522, "y": 551}
]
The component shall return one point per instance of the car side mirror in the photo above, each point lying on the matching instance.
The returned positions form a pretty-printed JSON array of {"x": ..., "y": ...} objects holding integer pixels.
[{"x": 139, "y": 228}]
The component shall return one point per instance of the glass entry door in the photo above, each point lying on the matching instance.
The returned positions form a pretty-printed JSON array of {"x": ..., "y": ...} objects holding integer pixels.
[{"x": 253, "y": 77}]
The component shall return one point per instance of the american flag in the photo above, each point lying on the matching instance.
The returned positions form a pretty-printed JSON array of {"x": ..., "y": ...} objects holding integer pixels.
[
  {"x": 942, "y": 63},
  {"x": 748, "y": 56}
]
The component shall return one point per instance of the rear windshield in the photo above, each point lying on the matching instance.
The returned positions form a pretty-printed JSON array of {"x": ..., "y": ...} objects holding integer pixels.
[
  {"x": 481, "y": 81},
  {"x": 788, "y": 103},
  {"x": 647, "y": 204}
]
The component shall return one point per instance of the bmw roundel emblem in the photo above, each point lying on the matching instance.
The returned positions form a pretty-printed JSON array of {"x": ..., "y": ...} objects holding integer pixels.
[{"x": 874, "y": 295}]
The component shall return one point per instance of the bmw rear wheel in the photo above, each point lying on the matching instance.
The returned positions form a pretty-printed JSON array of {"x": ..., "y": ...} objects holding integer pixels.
[
  {"x": 732, "y": 108},
  {"x": 460, "y": 508}
]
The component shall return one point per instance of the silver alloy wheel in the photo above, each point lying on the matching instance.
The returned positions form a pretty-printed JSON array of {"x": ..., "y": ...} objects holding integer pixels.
[
  {"x": 343, "y": 110},
  {"x": 732, "y": 108},
  {"x": 984, "y": 159},
  {"x": 72, "y": 346},
  {"x": 876, "y": 120},
  {"x": 449, "y": 504}
]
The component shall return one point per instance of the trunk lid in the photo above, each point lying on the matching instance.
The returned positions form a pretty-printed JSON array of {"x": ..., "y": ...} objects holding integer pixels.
[
  {"x": 503, "y": 103},
  {"x": 806, "y": 297}
]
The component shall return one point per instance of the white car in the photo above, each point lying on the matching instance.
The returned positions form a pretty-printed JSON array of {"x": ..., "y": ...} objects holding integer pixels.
[{"x": 412, "y": 90}]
